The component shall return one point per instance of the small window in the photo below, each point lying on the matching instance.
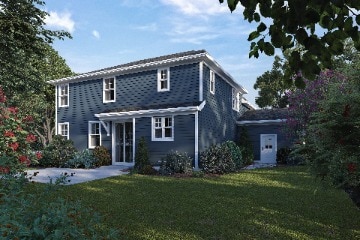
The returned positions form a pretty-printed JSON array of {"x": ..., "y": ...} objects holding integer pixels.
[
  {"x": 235, "y": 100},
  {"x": 212, "y": 82},
  {"x": 94, "y": 134},
  {"x": 63, "y": 130},
  {"x": 109, "y": 89},
  {"x": 163, "y": 79},
  {"x": 63, "y": 95},
  {"x": 163, "y": 129}
]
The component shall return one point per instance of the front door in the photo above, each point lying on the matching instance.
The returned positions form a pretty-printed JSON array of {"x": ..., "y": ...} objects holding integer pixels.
[
  {"x": 124, "y": 152},
  {"x": 268, "y": 148}
]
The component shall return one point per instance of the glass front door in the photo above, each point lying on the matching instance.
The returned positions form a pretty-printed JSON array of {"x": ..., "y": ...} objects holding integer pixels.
[{"x": 124, "y": 142}]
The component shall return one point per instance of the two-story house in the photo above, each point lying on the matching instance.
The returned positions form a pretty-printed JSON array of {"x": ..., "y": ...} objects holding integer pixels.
[{"x": 184, "y": 102}]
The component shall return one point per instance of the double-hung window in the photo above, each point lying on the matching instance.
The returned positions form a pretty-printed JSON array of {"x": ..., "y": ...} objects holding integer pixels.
[
  {"x": 63, "y": 130},
  {"x": 94, "y": 134},
  {"x": 163, "y": 77},
  {"x": 235, "y": 100},
  {"x": 212, "y": 82},
  {"x": 163, "y": 128},
  {"x": 63, "y": 92},
  {"x": 109, "y": 90}
]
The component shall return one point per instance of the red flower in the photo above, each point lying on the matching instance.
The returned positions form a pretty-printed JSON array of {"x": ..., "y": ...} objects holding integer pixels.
[
  {"x": 13, "y": 110},
  {"x": 2, "y": 96},
  {"x": 4, "y": 169},
  {"x": 28, "y": 118},
  {"x": 30, "y": 138},
  {"x": 9, "y": 134},
  {"x": 346, "y": 112},
  {"x": 14, "y": 146},
  {"x": 24, "y": 160},
  {"x": 351, "y": 167},
  {"x": 38, "y": 155}
]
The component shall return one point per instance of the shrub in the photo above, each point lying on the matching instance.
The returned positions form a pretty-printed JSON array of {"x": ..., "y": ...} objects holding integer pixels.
[
  {"x": 142, "y": 156},
  {"x": 58, "y": 152},
  {"x": 102, "y": 155},
  {"x": 147, "y": 170},
  {"x": 247, "y": 150},
  {"x": 282, "y": 155},
  {"x": 217, "y": 159},
  {"x": 176, "y": 162},
  {"x": 83, "y": 159},
  {"x": 236, "y": 154}
]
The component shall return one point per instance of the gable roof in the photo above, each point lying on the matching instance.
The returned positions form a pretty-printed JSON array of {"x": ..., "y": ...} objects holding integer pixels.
[
  {"x": 262, "y": 116},
  {"x": 153, "y": 63}
]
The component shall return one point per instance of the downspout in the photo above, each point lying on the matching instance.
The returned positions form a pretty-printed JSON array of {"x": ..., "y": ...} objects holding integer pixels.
[{"x": 56, "y": 115}]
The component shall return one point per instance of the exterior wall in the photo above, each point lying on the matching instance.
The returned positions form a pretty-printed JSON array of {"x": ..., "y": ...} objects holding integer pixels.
[
  {"x": 217, "y": 120},
  {"x": 184, "y": 141},
  {"x": 132, "y": 90},
  {"x": 255, "y": 131}
]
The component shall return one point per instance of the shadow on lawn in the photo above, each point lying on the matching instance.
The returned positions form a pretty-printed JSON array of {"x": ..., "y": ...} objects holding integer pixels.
[{"x": 263, "y": 204}]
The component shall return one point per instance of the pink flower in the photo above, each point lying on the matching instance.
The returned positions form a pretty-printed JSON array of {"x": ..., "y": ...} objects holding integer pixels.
[
  {"x": 28, "y": 118},
  {"x": 30, "y": 138},
  {"x": 24, "y": 160},
  {"x": 38, "y": 155},
  {"x": 4, "y": 169},
  {"x": 2, "y": 96},
  {"x": 13, "y": 110},
  {"x": 14, "y": 146},
  {"x": 9, "y": 134}
]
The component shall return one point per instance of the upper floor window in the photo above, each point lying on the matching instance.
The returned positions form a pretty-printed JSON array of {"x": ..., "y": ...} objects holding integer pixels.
[
  {"x": 109, "y": 89},
  {"x": 94, "y": 134},
  {"x": 163, "y": 79},
  {"x": 63, "y": 95},
  {"x": 212, "y": 82},
  {"x": 235, "y": 100},
  {"x": 163, "y": 128},
  {"x": 63, "y": 130}
]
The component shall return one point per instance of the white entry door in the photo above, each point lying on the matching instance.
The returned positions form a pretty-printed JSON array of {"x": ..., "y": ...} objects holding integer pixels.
[{"x": 268, "y": 148}]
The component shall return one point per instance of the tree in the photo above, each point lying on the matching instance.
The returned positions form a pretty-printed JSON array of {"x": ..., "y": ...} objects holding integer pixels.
[
  {"x": 272, "y": 86},
  {"x": 298, "y": 22},
  {"x": 23, "y": 36}
]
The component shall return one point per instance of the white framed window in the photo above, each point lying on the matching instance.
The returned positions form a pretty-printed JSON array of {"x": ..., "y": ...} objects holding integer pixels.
[
  {"x": 63, "y": 92},
  {"x": 163, "y": 79},
  {"x": 63, "y": 130},
  {"x": 235, "y": 99},
  {"x": 109, "y": 89},
  {"x": 163, "y": 128},
  {"x": 212, "y": 82},
  {"x": 94, "y": 134}
]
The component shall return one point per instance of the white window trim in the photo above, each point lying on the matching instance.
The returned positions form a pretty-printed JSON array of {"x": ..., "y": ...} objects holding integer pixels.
[
  {"x": 60, "y": 128},
  {"x": 163, "y": 128},
  {"x": 90, "y": 134},
  {"x": 212, "y": 82},
  {"x": 235, "y": 100},
  {"x": 104, "y": 90},
  {"x": 60, "y": 95},
  {"x": 159, "y": 80}
]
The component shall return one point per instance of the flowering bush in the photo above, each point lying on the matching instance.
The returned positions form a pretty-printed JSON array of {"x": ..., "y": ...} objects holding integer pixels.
[{"x": 15, "y": 139}]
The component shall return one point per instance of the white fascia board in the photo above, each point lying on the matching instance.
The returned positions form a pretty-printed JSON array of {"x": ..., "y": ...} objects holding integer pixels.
[
  {"x": 149, "y": 113},
  {"x": 258, "y": 122},
  {"x": 224, "y": 74},
  {"x": 102, "y": 73}
]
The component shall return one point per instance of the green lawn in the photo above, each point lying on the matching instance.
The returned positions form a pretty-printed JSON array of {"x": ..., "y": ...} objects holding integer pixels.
[{"x": 277, "y": 203}]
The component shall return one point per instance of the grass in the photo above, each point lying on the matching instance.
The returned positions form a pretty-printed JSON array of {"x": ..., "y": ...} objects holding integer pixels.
[{"x": 277, "y": 203}]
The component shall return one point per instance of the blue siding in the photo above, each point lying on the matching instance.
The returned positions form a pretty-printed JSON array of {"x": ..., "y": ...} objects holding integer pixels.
[
  {"x": 217, "y": 121},
  {"x": 132, "y": 90},
  {"x": 184, "y": 141},
  {"x": 255, "y": 131}
]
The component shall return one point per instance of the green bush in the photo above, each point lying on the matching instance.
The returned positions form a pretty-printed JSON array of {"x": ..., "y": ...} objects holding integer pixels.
[
  {"x": 217, "y": 159},
  {"x": 282, "y": 155},
  {"x": 102, "y": 155},
  {"x": 82, "y": 159},
  {"x": 247, "y": 150},
  {"x": 236, "y": 154},
  {"x": 142, "y": 159},
  {"x": 57, "y": 153},
  {"x": 176, "y": 162},
  {"x": 23, "y": 216}
]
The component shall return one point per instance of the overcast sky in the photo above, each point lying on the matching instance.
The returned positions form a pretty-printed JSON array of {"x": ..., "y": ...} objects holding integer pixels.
[{"x": 112, "y": 32}]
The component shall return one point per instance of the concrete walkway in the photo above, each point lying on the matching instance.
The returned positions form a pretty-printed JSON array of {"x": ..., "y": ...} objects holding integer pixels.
[
  {"x": 76, "y": 175},
  {"x": 257, "y": 164}
]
